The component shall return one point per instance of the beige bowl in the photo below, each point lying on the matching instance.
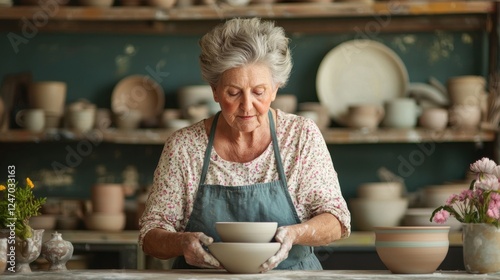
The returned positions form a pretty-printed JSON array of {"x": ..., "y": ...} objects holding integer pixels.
[
  {"x": 380, "y": 190},
  {"x": 105, "y": 222},
  {"x": 285, "y": 102},
  {"x": 369, "y": 213},
  {"x": 412, "y": 250},
  {"x": 421, "y": 217},
  {"x": 43, "y": 222},
  {"x": 243, "y": 257},
  {"x": 250, "y": 232},
  {"x": 436, "y": 195}
]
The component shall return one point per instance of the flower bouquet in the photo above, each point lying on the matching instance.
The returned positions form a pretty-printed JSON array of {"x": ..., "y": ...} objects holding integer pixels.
[{"x": 480, "y": 203}]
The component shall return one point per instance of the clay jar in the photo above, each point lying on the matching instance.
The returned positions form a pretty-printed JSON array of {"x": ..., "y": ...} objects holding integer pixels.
[
  {"x": 434, "y": 118},
  {"x": 57, "y": 252},
  {"x": 108, "y": 198},
  {"x": 466, "y": 90},
  {"x": 365, "y": 116}
]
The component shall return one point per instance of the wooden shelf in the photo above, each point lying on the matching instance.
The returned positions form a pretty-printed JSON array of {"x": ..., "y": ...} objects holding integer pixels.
[
  {"x": 334, "y": 136},
  {"x": 295, "y": 17}
]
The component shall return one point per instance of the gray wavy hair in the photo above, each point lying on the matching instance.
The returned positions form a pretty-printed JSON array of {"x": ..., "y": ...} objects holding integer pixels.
[{"x": 239, "y": 42}]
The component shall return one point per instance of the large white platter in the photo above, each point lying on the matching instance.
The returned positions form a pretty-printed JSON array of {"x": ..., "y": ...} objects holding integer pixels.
[{"x": 359, "y": 72}]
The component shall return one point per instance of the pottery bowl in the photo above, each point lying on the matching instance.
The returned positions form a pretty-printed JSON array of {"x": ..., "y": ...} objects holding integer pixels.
[
  {"x": 243, "y": 257},
  {"x": 250, "y": 232},
  {"x": 380, "y": 190},
  {"x": 436, "y": 195},
  {"x": 285, "y": 102},
  {"x": 421, "y": 217},
  {"x": 105, "y": 222},
  {"x": 368, "y": 213},
  {"x": 43, "y": 221},
  {"x": 412, "y": 249}
]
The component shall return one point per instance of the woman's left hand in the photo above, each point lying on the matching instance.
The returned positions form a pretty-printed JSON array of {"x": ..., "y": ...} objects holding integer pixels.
[{"x": 286, "y": 236}]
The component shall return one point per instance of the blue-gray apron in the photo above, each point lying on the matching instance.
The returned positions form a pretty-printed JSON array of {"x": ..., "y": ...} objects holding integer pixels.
[{"x": 263, "y": 202}]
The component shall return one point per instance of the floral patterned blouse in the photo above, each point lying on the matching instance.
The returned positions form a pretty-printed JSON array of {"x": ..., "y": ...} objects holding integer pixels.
[{"x": 312, "y": 180}]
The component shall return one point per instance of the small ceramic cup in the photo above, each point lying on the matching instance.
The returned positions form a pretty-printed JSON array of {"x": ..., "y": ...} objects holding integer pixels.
[
  {"x": 31, "y": 119},
  {"x": 434, "y": 118},
  {"x": 365, "y": 116}
]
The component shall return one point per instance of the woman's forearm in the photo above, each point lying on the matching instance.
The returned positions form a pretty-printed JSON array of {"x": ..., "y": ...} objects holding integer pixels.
[
  {"x": 163, "y": 244},
  {"x": 320, "y": 230}
]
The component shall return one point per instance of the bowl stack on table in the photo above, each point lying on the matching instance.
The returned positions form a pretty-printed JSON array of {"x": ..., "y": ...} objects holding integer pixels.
[
  {"x": 378, "y": 204},
  {"x": 245, "y": 245}
]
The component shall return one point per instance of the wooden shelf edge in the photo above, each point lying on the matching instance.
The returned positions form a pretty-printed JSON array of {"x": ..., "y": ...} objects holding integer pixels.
[
  {"x": 332, "y": 136},
  {"x": 218, "y": 12},
  {"x": 414, "y": 135}
]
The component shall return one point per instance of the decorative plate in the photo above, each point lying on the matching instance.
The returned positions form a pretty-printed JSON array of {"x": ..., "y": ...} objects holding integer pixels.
[
  {"x": 357, "y": 72},
  {"x": 139, "y": 93}
]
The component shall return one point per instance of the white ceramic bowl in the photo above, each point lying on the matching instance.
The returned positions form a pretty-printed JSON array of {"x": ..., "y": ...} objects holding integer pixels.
[
  {"x": 412, "y": 250},
  {"x": 421, "y": 217},
  {"x": 251, "y": 232},
  {"x": 369, "y": 213},
  {"x": 436, "y": 195},
  {"x": 105, "y": 222},
  {"x": 380, "y": 190},
  {"x": 43, "y": 221},
  {"x": 243, "y": 257}
]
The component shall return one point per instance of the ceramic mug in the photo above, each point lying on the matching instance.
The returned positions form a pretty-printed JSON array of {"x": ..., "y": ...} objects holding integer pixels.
[
  {"x": 31, "y": 119},
  {"x": 401, "y": 113}
]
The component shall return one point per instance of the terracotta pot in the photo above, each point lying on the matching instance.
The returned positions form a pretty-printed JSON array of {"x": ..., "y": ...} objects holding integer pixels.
[
  {"x": 481, "y": 248},
  {"x": 108, "y": 198},
  {"x": 49, "y": 96}
]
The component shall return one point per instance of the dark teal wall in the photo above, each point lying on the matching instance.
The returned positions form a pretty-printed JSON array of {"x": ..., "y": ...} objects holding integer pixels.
[{"x": 92, "y": 64}]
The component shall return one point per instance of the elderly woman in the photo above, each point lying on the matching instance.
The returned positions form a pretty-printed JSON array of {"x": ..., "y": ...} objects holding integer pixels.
[{"x": 249, "y": 162}]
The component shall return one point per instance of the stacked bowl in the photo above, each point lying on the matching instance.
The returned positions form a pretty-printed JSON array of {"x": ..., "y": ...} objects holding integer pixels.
[
  {"x": 108, "y": 214},
  {"x": 245, "y": 245},
  {"x": 378, "y": 204}
]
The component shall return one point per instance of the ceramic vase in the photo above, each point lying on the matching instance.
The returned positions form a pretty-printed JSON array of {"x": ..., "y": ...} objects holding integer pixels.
[
  {"x": 3, "y": 254},
  {"x": 481, "y": 248},
  {"x": 57, "y": 252},
  {"x": 28, "y": 250}
]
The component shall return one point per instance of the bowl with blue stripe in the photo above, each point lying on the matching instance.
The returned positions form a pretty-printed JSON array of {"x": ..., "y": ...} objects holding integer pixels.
[{"x": 412, "y": 249}]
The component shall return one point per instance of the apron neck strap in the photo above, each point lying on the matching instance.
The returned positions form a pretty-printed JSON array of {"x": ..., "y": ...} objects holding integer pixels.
[{"x": 208, "y": 151}]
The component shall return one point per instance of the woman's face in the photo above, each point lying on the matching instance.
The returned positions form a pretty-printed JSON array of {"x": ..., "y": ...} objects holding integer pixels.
[{"x": 245, "y": 95}]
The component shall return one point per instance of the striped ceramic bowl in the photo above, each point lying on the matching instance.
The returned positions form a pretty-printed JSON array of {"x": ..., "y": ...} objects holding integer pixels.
[{"x": 412, "y": 249}]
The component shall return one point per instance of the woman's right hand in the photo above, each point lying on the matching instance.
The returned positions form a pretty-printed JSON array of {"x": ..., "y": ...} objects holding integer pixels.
[{"x": 194, "y": 252}]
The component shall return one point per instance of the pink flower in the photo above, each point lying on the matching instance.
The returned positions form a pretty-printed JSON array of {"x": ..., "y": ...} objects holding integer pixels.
[
  {"x": 494, "y": 206},
  {"x": 441, "y": 216},
  {"x": 487, "y": 182},
  {"x": 484, "y": 165}
]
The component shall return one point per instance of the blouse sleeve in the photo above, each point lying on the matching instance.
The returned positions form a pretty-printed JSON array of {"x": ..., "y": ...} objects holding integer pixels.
[
  {"x": 319, "y": 186},
  {"x": 167, "y": 197}
]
